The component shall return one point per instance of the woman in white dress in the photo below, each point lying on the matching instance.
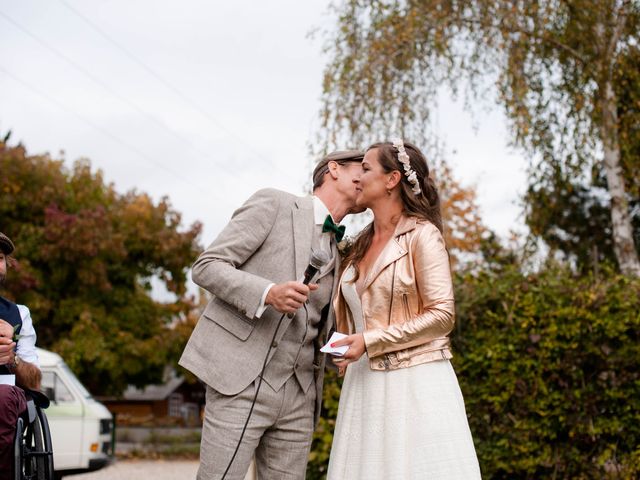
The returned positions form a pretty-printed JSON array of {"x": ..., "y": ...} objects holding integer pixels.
[{"x": 401, "y": 413}]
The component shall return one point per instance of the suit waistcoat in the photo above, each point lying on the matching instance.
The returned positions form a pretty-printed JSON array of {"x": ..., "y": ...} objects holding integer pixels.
[{"x": 9, "y": 313}]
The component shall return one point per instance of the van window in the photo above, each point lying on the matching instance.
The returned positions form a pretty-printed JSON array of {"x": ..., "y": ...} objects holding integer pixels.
[
  {"x": 56, "y": 387},
  {"x": 81, "y": 388}
]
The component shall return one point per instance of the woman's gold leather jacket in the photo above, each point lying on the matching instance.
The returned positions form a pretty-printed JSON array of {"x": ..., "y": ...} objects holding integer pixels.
[{"x": 407, "y": 300}]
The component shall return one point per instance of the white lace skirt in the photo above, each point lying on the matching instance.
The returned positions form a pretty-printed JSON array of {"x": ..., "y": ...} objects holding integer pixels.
[{"x": 403, "y": 424}]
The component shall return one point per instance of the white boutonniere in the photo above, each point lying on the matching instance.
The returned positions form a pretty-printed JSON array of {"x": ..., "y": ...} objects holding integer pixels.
[{"x": 344, "y": 246}]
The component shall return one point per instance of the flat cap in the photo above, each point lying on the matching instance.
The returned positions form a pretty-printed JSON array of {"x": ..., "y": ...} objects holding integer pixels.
[
  {"x": 345, "y": 155},
  {"x": 340, "y": 156},
  {"x": 6, "y": 245}
]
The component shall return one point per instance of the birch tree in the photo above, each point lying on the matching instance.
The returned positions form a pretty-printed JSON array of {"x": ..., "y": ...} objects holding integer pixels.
[{"x": 552, "y": 65}]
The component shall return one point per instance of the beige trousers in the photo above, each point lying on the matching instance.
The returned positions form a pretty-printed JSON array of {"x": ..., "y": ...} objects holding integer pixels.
[{"x": 278, "y": 435}]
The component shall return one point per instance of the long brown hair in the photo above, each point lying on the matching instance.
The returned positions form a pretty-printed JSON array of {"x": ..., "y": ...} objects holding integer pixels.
[{"x": 425, "y": 205}]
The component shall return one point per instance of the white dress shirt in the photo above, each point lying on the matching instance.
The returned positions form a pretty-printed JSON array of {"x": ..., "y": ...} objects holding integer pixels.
[{"x": 26, "y": 348}]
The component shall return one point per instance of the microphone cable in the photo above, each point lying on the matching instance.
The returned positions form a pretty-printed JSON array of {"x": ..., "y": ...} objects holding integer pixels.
[
  {"x": 317, "y": 261},
  {"x": 255, "y": 396}
]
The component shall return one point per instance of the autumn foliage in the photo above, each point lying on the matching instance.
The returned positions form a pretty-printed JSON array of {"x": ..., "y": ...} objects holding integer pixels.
[
  {"x": 464, "y": 230},
  {"x": 85, "y": 259}
]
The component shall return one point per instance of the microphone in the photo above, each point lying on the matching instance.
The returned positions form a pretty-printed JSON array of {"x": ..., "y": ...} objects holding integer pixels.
[{"x": 318, "y": 260}]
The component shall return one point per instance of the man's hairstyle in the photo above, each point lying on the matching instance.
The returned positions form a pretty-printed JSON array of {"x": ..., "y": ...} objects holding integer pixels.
[{"x": 340, "y": 157}]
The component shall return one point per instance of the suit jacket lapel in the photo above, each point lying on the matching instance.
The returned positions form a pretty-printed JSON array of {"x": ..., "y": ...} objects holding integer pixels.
[
  {"x": 302, "y": 234},
  {"x": 323, "y": 333},
  {"x": 333, "y": 254},
  {"x": 302, "y": 217}
]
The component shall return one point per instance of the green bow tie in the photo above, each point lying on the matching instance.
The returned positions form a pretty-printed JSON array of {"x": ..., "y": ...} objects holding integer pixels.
[{"x": 330, "y": 226}]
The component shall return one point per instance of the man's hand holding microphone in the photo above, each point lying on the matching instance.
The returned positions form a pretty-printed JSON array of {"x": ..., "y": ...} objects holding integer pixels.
[{"x": 288, "y": 297}]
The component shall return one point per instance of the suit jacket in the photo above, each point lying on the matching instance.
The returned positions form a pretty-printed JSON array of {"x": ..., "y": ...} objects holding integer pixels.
[{"x": 268, "y": 240}]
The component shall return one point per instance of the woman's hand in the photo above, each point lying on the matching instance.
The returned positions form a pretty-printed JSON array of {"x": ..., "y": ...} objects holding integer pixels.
[{"x": 356, "y": 350}]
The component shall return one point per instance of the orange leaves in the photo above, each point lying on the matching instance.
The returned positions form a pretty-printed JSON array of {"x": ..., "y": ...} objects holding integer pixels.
[{"x": 463, "y": 227}]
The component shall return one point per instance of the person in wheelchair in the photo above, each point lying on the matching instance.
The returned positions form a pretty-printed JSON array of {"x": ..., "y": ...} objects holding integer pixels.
[{"x": 19, "y": 365}]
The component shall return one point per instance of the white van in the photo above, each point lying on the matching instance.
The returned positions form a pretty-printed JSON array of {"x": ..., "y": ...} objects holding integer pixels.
[{"x": 81, "y": 427}]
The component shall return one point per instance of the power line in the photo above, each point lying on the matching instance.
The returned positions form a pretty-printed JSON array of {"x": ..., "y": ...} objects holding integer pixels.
[
  {"x": 168, "y": 85},
  {"x": 106, "y": 87},
  {"x": 110, "y": 135}
]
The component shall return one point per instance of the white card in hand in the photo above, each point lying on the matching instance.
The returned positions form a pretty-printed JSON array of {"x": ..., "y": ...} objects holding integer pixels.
[{"x": 337, "y": 351}]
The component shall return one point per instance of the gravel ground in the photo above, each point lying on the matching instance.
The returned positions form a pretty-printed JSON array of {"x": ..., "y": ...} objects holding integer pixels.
[{"x": 141, "y": 469}]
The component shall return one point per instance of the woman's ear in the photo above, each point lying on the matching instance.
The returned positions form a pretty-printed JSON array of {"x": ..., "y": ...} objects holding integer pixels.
[{"x": 394, "y": 179}]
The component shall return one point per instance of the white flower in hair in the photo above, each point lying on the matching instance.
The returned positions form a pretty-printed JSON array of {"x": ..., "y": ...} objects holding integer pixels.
[{"x": 403, "y": 158}]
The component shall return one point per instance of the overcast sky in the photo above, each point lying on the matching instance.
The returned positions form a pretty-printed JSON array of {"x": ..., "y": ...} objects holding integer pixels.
[{"x": 202, "y": 101}]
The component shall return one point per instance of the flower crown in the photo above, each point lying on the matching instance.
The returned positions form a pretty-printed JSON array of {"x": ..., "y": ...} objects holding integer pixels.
[{"x": 403, "y": 158}]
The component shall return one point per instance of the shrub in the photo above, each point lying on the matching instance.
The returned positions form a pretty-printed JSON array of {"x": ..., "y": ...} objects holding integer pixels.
[{"x": 548, "y": 364}]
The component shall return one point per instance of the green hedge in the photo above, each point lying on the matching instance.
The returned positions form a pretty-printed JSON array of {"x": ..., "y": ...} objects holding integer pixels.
[{"x": 549, "y": 365}]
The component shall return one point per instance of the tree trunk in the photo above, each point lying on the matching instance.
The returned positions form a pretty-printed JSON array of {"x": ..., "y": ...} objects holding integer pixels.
[{"x": 623, "y": 243}]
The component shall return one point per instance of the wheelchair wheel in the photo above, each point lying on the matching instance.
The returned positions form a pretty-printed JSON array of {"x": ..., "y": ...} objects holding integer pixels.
[
  {"x": 36, "y": 452},
  {"x": 17, "y": 450},
  {"x": 48, "y": 445}
]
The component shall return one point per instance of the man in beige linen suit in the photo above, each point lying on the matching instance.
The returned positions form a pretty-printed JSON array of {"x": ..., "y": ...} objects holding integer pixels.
[{"x": 251, "y": 270}]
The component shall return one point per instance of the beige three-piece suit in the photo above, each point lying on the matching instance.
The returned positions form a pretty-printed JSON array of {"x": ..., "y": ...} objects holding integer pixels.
[{"x": 268, "y": 240}]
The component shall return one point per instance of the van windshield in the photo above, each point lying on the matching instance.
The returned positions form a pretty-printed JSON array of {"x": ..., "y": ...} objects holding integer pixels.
[{"x": 83, "y": 391}]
